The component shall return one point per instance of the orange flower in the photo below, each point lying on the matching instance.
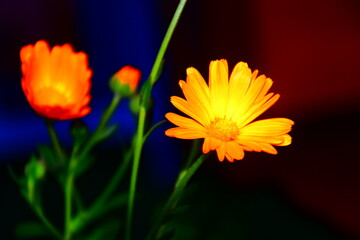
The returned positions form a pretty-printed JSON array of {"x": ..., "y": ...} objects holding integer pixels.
[
  {"x": 56, "y": 82},
  {"x": 126, "y": 80},
  {"x": 222, "y": 113}
]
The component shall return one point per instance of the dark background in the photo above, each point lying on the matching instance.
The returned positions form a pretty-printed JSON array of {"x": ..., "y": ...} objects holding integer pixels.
[{"x": 310, "y": 190}]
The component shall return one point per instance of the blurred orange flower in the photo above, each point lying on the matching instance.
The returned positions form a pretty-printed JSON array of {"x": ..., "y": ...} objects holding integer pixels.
[
  {"x": 56, "y": 82},
  {"x": 126, "y": 80},
  {"x": 222, "y": 112}
]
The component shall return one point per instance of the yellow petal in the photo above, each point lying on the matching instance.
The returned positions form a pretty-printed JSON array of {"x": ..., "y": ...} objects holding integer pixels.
[
  {"x": 218, "y": 85},
  {"x": 184, "y": 122},
  {"x": 199, "y": 102},
  {"x": 238, "y": 85},
  {"x": 268, "y": 127},
  {"x": 183, "y": 106},
  {"x": 255, "y": 110},
  {"x": 268, "y": 148},
  {"x": 196, "y": 81},
  {"x": 286, "y": 140},
  {"x": 264, "y": 86}
]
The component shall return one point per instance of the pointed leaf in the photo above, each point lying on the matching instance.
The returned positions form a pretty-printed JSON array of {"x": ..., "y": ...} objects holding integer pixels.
[{"x": 106, "y": 133}]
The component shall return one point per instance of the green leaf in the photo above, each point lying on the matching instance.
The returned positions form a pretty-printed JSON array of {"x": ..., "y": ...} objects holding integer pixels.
[
  {"x": 145, "y": 94},
  {"x": 31, "y": 229},
  {"x": 106, "y": 133},
  {"x": 83, "y": 165}
]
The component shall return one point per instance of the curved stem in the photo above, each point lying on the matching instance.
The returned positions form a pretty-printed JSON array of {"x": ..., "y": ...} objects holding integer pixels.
[
  {"x": 172, "y": 201},
  {"x": 152, "y": 129}
]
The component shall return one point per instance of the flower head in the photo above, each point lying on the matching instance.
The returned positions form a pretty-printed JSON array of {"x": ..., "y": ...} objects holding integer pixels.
[
  {"x": 126, "y": 80},
  {"x": 223, "y": 112},
  {"x": 56, "y": 81}
]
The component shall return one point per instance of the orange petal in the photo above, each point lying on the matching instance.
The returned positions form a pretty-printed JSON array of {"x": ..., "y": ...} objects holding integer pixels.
[
  {"x": 221, "y": 151},
  {"x": 235, "y": 150},
  {"x": 184, "y": 133}
]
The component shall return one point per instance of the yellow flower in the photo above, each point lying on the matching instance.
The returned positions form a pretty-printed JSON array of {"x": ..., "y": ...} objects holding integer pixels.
[
  {"x": 223, "y": 112},
  {"x": 56, "y": 81}
]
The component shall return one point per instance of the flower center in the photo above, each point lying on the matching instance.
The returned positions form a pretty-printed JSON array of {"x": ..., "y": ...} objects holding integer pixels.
[{"x": 223, "y": 129}]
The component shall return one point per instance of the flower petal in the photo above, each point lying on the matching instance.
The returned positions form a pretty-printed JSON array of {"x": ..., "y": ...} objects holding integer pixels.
[
  {"x": 221, "y": 151},
  {"x": 184, "y": 122},
  {"x": 184, "y": 133},
  {"x": 268, "y": 127},
  {"x": 184, "y": 106},
  {"x": 234, "y": 150},
  {"x": 256, "y": 110},
  {"x": 218, "y": 85},
  {"x": 199, "y": 101},
  {"x": 238, "y": 85},
  {"x": 56, "y": 82}
]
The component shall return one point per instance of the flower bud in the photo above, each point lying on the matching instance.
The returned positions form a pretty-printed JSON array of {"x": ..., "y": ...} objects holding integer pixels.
[{"x": 125, "y": 81}]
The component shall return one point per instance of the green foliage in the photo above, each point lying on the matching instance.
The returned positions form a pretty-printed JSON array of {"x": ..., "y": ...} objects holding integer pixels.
[
  {"x": 31, "y": 229},
  {"x": 47, "y": 155}
]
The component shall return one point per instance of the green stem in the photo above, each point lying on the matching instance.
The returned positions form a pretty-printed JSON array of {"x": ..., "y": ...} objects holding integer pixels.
[
  {"x": 159, "y": 58},
  {"x": 104, "y": 120},
  {"x": 55, "y": 141},
  {"x": 171, "y": 203},
  {"x": 47, "y": 223},
  {"x": 152, "y": 129},
  {"x": 194, "y": 151},
  {"x": 68, "y": 204},
  {"x": 142, "y": 114},
  {"x": 134, "y": 172}
]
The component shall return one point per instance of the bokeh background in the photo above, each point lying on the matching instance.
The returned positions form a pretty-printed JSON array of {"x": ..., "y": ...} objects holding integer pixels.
[{"x": 310, "y": 48}]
